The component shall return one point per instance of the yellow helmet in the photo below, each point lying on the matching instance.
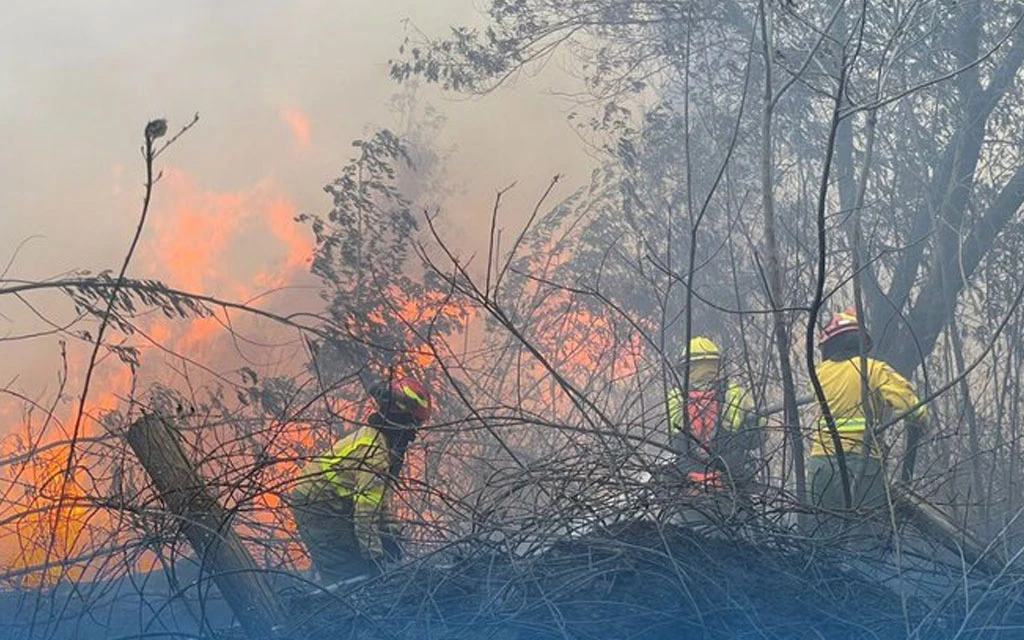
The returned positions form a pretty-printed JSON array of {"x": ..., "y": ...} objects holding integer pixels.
[{"x": 701, "y": 348}]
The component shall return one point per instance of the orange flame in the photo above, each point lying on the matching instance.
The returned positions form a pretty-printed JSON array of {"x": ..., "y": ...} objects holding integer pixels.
[
  {"x": 204, "y": 241},
  {"x": 191, "y": 240},
  {"x": 298, "y": 124},
  {"x": 212, "y": 241},
  {"x": 44, "y": 528},
  {"x": 48, "y": 531}
]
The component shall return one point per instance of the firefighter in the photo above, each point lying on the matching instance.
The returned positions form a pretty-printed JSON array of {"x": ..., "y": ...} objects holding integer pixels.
[
  {"x": 890, "y": 394},
  {"x": 340, "y": 502},
  {"x": 715, "y": 441}
]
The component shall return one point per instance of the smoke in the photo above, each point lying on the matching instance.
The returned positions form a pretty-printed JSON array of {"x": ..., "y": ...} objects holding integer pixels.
[{"x": 282, "y": 89}]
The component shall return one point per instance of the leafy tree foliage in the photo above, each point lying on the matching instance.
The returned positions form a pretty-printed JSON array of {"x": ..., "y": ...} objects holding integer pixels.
[{"x": 381, "y": 303}]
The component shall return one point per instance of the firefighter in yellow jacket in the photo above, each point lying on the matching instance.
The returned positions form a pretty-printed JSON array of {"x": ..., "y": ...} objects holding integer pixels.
[
  {"x": 712, "y": 426},
  {"x": 890, "y": 394},
  {"x": 340, "y": 503}
]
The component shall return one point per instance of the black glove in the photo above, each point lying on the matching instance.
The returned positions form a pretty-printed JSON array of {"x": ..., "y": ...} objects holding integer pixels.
[{"x": 915, "y": 432}]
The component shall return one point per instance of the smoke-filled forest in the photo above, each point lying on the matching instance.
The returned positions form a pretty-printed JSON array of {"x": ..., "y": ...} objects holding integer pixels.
[{"x": 725, "y": 345}]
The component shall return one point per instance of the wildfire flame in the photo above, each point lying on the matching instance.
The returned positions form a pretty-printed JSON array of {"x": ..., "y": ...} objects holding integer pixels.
[
  {"x": 298, "y": 124},
  {"x": 48, "y": 516},
  {"x": 217, "y": 242},
  {"x": 205, "y": 242}
]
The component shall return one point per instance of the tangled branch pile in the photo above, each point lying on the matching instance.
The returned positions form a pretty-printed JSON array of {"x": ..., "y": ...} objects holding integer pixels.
[{"x": 636, "y": 580}]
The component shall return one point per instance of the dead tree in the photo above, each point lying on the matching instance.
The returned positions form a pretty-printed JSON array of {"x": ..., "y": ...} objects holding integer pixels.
[{"x": 207, "y": 527}]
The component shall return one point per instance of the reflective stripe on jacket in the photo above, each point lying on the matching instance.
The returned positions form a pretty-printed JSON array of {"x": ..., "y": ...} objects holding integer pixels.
[
  {"x": 891, "y": 394},
  {"x": 356, "y": 467}
]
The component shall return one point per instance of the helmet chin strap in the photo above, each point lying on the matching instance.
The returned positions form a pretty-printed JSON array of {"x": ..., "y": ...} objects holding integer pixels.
[
  {"x": 402, "y": 419},
  {"x": 398, "y": 436}
]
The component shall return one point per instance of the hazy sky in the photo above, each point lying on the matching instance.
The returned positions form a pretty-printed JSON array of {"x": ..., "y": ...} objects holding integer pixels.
[{"x": 281, "y": 88}]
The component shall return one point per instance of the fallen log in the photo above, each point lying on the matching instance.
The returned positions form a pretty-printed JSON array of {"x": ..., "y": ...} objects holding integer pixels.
[
  {"x": 943, "y": 529},
  {"x": 207, "y": 527}
]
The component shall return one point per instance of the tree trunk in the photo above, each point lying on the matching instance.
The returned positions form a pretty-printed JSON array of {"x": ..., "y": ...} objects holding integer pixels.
[
  {"x": 207, "y": 527},
  {"x": 776, "y": 282}
]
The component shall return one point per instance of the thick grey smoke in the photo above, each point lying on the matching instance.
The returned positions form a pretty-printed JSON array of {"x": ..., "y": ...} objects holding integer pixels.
[{"x": 282, "y": 88}]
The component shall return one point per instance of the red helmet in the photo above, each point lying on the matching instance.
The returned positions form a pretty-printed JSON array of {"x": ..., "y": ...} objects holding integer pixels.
[
  {"x": 403, "y": 397},
  {"x": 843, "y": 321}
]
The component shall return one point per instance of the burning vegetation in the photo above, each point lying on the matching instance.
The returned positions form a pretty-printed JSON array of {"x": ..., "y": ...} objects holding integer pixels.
[{"x": 761, "y": 164}]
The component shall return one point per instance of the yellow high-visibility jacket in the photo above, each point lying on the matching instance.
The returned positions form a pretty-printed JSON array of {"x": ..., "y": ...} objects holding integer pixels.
[
  {"x": 357, "y": 467},
  {"x": 891, "y": 394}
]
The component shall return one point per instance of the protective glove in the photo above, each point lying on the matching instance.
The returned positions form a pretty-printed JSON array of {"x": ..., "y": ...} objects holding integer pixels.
[{"x": 915, "y": 433}]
